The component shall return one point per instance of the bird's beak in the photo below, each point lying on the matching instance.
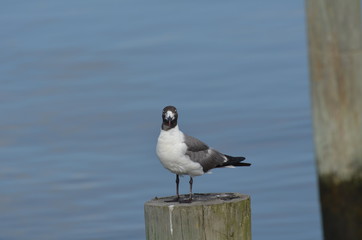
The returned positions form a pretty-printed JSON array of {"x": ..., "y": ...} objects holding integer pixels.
[{"x": 169, "y": 119}]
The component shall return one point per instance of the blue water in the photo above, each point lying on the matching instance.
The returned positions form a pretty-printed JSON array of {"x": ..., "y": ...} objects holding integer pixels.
[{"x": 83, "y": 84}]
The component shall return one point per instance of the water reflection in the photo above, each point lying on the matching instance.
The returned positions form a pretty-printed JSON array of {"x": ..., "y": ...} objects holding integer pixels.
[{"x": 83, "y": 86}]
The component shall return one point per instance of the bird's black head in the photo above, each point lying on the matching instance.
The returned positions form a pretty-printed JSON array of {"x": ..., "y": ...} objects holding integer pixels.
[{"x": 169, "y": 118}]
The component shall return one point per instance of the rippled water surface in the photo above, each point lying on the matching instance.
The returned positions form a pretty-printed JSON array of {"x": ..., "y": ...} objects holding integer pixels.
[{"x": 83, "y": 84}]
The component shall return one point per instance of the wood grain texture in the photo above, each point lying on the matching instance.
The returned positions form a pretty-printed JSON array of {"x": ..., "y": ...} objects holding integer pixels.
[
  {"x": 335, "y": 56},
  {"x": 210, "y": 216}
]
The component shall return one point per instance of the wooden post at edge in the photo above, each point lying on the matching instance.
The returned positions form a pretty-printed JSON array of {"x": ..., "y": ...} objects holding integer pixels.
[{"x": 335, "y": 60}]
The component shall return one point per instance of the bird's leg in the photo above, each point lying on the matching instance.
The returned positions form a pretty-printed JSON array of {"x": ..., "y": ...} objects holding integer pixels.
[
  {"x": 191, "y": 181},
  {"x": 190, "y": 198},
  {"x": 177, "y": 183},
  {"x": 177, "y": 198}
]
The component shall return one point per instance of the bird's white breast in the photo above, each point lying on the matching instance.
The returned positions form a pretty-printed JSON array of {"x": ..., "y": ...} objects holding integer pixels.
[{"x": 171, "y": 151}]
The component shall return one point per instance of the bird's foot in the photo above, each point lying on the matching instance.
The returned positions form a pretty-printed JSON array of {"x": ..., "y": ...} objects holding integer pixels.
[
  {"x": 176, "y": 199},
  {"x": 185, "y": 201},
  {"x": 188, "y": 200}
]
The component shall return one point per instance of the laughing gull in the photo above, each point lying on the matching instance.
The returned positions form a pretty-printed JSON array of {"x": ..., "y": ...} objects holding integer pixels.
[{"x": 186, "y": 155}]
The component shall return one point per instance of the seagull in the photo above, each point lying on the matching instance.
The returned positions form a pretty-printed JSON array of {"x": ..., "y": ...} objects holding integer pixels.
[{"x": 185, "y": 155}]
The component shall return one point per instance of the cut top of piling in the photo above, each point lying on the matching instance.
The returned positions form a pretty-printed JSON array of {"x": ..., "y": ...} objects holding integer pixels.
[{"x": 198, "y": 199}]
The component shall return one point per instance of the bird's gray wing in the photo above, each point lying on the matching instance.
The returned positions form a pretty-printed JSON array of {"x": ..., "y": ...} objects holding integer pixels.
[{"x": 201, "y": 153}]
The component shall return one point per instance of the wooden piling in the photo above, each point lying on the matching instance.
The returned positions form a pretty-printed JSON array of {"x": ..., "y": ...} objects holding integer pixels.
[
  {"x": 335, "y": 56},
  {"x": 209, "y": 217}
]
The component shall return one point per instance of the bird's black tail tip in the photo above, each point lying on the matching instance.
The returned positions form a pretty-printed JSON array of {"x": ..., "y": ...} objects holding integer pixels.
[
  {"x": 236, "y": 161},
  {"x": 241, "y": 164}
]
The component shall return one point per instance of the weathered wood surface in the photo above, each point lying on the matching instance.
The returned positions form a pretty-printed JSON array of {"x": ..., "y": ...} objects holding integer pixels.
[
  {"x": 209, "y": 217},
  {"x": 335, "y": 55}
]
